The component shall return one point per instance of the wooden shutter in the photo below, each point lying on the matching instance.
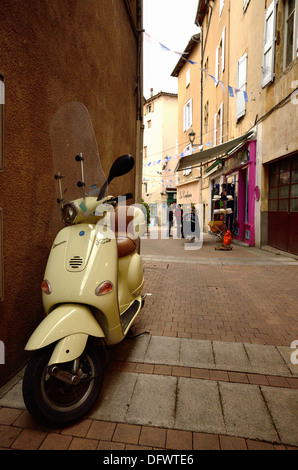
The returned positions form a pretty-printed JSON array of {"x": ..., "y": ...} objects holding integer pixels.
[
  {"x": 269, "y": 44},
  {"x": 223, "y": 45},
  {"x": 241, "y": 85}
]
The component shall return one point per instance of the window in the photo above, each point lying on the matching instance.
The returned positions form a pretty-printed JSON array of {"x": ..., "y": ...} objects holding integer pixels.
[
  {"x": 149, "y": 124},
  {"x": 269, "y": 45},
  {"x": 216, "y": 65},
  {"x": 187, "y": 78},
  {"x": 222, "y": 49},
  {"x": 291, "y": 35},
  {"x": 220, "y": 57},
  {"x": 1, "y": 120},
  {"x": 187, "y": 115},
  {"x": 206, "y": 68},
  {"x": 218, "y": 126},
  {"x": 145, "y": 152},
  {"x": 221, "y": 5},
  {"x": 206, "y": 117},
  {"x": 215, "y": 130},
  {"x": 245, "y": 4},
  {"x": 241, "y": 86},
  {"x": 283, "y": 185},
  {"x": 220, "y": 123}
]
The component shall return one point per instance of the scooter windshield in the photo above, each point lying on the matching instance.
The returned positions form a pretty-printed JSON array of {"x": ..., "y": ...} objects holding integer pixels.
[{"x": 77, "y": 166}]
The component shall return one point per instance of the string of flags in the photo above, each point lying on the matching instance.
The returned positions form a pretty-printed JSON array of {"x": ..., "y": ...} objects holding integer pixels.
[{"x": 232, "y": 90}]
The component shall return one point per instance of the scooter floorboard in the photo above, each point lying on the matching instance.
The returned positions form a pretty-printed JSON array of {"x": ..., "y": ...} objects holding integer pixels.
[{"x": 128, "y": 315}]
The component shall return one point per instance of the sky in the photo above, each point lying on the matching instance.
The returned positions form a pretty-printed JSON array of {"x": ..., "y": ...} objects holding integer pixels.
[{"x": 171, "y": 23}]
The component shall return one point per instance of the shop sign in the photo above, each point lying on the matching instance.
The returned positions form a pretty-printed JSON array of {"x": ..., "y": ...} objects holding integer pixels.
[{"x": 184, "y": 195}]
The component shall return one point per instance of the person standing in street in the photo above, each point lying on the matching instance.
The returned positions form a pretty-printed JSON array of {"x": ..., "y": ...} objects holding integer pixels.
[
  {"x": 179, "y": 220},
  {"x": 170, "y": 221}
]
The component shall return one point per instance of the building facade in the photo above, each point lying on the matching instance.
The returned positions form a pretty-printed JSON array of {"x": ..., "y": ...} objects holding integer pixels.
[
  {"x": 248, "y": 116},
  {"x": 51, "y": 54},
  {"x": 160, "y": 153}
]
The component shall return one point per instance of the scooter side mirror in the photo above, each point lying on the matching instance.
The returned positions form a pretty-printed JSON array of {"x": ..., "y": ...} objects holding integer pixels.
[{"x": 121, "y": 166}]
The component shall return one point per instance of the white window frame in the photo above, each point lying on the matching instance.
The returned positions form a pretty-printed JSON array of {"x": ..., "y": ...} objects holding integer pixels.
[
  {"x": 241, "y": 86},
  {"x": 216, "y": 65},
  {"x": 295, "y": 38},
  {"x": 187, "y": 115},
  {"x": 187, "y": 78},
  {"x": 215, "y": 130},
  {"x": 269, "y": 44},
  {"x": 245, "y": 4},
  {"x": 221, "y": 5},
  {"x": 223, "y": 46},
  {"x": 221, "y": 123}
]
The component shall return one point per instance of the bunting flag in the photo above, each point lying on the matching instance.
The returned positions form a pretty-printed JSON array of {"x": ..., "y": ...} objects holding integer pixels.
[{"x": 232, "y": 90}]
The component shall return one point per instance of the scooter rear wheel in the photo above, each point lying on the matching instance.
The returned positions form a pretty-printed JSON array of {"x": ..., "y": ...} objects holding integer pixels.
[{"x": 53, "y": 401}]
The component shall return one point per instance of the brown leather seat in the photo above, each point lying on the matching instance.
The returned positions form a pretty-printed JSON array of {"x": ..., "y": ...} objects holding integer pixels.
[{"x": 124, "y": 235}]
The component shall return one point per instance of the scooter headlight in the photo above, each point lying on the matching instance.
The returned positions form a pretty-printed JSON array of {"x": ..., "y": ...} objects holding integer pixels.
[{"x": 69, "y": 213}]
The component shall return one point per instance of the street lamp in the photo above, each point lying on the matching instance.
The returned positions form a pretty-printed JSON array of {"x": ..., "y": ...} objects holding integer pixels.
[{"x": 192, "y": 136}]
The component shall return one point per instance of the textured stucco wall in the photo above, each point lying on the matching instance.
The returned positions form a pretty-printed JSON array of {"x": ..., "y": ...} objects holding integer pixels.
[{"x": 53, "y": 52}]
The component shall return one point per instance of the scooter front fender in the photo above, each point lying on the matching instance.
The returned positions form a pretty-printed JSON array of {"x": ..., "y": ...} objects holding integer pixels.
[{"x": 64, "y": 322}]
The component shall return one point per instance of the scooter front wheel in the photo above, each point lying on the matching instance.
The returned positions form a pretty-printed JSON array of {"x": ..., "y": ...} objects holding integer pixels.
[{"x": 50, "y": 399}]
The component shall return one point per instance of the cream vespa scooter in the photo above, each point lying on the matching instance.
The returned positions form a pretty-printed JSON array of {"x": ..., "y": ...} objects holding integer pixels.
[{"x": 93, "y": 279}]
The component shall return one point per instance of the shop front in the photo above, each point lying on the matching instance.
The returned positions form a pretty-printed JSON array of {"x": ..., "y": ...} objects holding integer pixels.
[
  {"x": 283, "y": 204},
  {"x": 240, "y": 173}
]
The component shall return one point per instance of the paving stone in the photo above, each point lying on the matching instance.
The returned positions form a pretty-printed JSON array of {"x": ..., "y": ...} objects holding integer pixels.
[
  {"x": 245, "y": 412},
  {"x": 231, "y": 356},
  {"x": 198, "y": 406},
  {"x": 196, "y": 353},
  {"x": 153, "y": 401},
  {"x": 266, "y": 360},
  {"x": 289, "y": 354},
  {"x": 163, "y": 350},
  {"x": 14, "y": 397},
  {"x": 131, "y": 349},
  {"x": 283, "y": 406},
  {"x": 115, "y": 396}
]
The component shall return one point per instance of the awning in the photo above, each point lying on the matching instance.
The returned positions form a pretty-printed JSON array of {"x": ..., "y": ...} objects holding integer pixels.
[
  {"x": 197, "y": 158},
  {"x": 214, "y": 167}
]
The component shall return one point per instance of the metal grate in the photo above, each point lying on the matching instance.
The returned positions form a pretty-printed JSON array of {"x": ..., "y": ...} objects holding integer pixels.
[{"x": 75, "y": 262}]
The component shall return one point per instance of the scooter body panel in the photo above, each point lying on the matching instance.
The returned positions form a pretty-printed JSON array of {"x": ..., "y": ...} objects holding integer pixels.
[
  {"x": 65, "y": 320},
  {"x": 83, "y": 257},
  {"x": 69, "y": 348}
]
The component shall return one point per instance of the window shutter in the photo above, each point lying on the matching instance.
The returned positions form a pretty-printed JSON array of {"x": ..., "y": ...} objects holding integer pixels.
[
  {"x": 216, "y": 65},
  {"x": 223, "y": 45},
  {"x": 241, "y": 86},
  {"x": 215, "y": 129},
  {"x": 221, "y": 124},
  {"x": 269, "y": 45},
  {"x": 187, "y": 115}
]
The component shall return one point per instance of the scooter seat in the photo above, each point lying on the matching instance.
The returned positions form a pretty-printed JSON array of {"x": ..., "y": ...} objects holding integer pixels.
[
  {"x": 126, "y": 246},
  {"x": 124, "y": 236}
]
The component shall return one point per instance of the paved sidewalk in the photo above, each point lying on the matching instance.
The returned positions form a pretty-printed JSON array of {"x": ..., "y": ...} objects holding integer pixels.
[{"x": 215, "y": 372}]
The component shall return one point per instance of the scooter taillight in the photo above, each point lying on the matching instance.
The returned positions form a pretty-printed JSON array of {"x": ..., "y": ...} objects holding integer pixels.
[
  {"x": 46, "y": 287},
  {"x": 104, "y": 288}
]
